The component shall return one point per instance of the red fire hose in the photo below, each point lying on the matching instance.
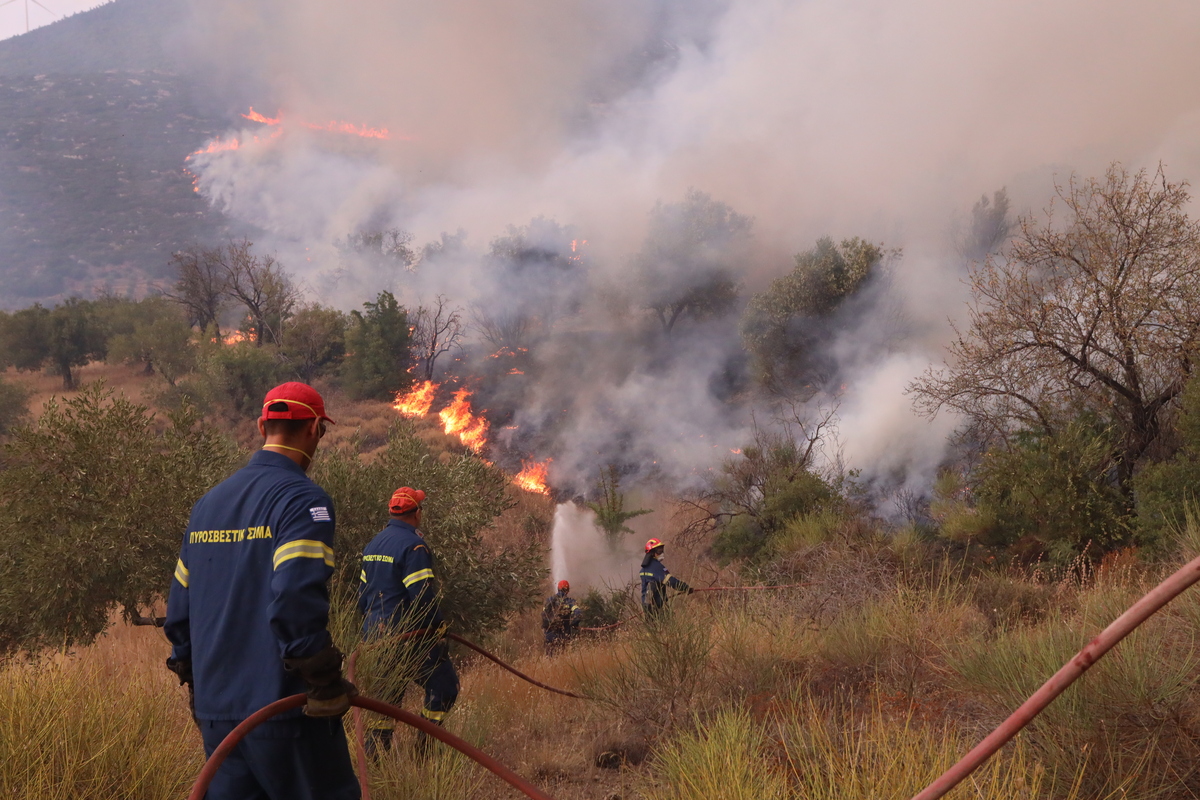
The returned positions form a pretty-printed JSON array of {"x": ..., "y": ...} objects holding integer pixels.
[
  {"x": 295, "y": 701},
  {"x": 360, "y": 750},
  {"x": 1121, "y": 627}
]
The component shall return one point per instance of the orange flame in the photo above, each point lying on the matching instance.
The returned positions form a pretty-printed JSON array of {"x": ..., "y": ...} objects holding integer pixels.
[
  {"x": 417, "y": 402},
  {"x": 457, "y": 420},
  {"x": 350, "y": 128},
  {"x": 532, "y": 477},
  {"x": 217, "y": 145},
  {"x": 254, "y": 116}
]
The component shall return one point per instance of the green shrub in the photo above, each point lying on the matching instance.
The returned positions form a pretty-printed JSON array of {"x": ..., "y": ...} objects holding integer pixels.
[
  {"x": 466, "y": 494},
  {"x": 1049, "y": 496},
  {"x": 95, "y": 499}
]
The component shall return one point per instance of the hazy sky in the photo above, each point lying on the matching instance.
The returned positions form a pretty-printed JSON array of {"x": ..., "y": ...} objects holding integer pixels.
[{"x": 12, "y": 15}]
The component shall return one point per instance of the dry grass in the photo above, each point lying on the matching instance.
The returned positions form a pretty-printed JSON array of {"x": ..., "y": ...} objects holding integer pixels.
[
  {"x": 103, "y": 722},
  {"x": 121, "y": 378}
]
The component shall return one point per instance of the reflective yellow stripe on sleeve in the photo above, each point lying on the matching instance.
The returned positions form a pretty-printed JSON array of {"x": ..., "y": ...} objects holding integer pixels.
[
  {"x": 435, "y": 716},
  {"x": 417, "y": 577},
  {"x": 304, "y": 548},
  {"x": 181, "y": 573},
  {"x": 362, "y": 576}
]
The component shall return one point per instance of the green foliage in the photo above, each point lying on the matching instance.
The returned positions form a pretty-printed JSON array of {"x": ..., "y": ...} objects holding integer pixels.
[
  {"x": 95, "y": 498},
  {"x": 314, "y": 341},
  {"x": 598, "y": 608},
  {"x": 377, "y": 350},
  {"x": 480, "y": 588},
  {"x": 611, "y": 515},
  {"x": 151, "y": 332},
  {"x": 233, "y": 377},
  {"x": 67, "y": 336},
  {"x": 1050, "y": 496},
  {"x": 14, "y": 399},
  {"x": 762, "y": 489},
  {"x": 689, "y": 260},
  {"x": 1164, "y": 490},
  {"x": 781, "y": 326}
]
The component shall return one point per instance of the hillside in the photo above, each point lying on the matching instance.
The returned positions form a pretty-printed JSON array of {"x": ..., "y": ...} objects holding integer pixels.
[
  {"x": 94, "y": 130},
  {"x": 125, "y": 35}
]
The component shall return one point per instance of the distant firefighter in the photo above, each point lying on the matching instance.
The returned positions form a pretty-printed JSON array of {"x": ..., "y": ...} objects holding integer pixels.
[
  {"x": 560, "y": 618},
  {"x": 398, "y": 593},
  {"x": 655, "y": 580}
]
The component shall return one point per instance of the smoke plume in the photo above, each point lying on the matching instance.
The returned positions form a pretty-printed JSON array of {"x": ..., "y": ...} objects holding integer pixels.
[{"x": 868, "y": 118}]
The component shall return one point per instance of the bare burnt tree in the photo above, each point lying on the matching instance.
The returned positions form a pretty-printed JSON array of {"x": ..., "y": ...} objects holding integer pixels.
[
  {"x": 260, "y": 284},
  {"x": 201, "y": 287},
  {"x": 511, "y": 330},
  {"x": 436, "y": 331},
  {"x": 1096, "y": 316},
  {"x": 388, "y": 247}
]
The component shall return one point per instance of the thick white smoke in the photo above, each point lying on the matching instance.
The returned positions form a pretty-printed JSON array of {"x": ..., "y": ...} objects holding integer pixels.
[{"x": 870, "y": 118}]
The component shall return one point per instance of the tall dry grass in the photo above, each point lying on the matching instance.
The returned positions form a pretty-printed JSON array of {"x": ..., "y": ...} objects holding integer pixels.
[{"x": 104, "y": 722}]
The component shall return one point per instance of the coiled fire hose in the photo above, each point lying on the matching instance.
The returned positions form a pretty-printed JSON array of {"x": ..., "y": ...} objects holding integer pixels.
[{"x": 1121, "y": 627}]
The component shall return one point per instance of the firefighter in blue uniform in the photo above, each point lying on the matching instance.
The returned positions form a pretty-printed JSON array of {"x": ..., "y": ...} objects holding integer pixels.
[
  {"x": 248, "y": 612},
  {"x": 560, "y": 618},
  {"x": 398, "y": 594},
  {"x": 655, "y": 580}
]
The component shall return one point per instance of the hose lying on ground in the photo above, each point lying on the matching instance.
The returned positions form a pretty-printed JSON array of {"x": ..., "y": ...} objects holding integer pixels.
[
  {"x": 295, "y": 701},
  {"x": 1121, "y": 627}
]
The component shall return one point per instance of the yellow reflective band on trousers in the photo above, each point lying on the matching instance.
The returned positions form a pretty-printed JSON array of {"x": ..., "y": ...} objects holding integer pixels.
[
  {"x": 435, "y": 716},
  {"x": 181, "y": 573},
  {"x": 417, "y": 577},
  {"x": 304, "y": 548}
]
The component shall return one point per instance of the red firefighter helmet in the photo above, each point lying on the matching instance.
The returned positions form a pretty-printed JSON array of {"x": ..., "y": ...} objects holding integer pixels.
[
  {"x": 653, "y": 544},
  {"x": 564, "y": 586}
]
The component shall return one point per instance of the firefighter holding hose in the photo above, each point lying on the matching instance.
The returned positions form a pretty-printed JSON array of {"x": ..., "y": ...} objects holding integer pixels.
[
  {"x": 656, "y": 578},
  {"x": 398, "y": 593},
  {"x": 560, "y": 618},
  {"x": 248, "y": 611}
]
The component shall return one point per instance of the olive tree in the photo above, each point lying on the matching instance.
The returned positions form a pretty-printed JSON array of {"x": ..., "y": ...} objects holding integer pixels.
[{"x": 95, "y": 496}]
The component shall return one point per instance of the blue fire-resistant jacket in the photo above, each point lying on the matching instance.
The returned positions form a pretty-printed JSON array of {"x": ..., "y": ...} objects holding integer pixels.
[
  {"x": 561, "y": 614},
  {"x": 250, "y": 586},
  {"x": 655, "y": 580},
  {"x": 396, "y": 586}
]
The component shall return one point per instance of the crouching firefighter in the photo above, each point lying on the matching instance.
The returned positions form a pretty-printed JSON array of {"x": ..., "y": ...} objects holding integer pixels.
[
  {"x": 655, "y": 580},
  {"x": 560, "y": 618},
  {"x": 398, "y": 593},
  {"x": 248, "y": 613}
]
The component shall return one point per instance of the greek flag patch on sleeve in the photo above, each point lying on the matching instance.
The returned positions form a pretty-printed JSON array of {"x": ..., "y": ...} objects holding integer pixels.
[{"x": 319, "y": 514}]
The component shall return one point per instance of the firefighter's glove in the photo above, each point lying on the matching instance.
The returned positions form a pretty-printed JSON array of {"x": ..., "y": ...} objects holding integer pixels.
[
  {"x": 182, "y": 667},
  {"x": 688, "y": 590},
  {"x": 328, "y": 692}
]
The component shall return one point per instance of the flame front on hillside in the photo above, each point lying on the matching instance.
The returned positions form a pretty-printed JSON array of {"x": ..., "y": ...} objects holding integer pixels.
[
  {"x": 417, "y": 402},
  {"x": 532, "y": 477},
  {"x": 458, "y": 420}
]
